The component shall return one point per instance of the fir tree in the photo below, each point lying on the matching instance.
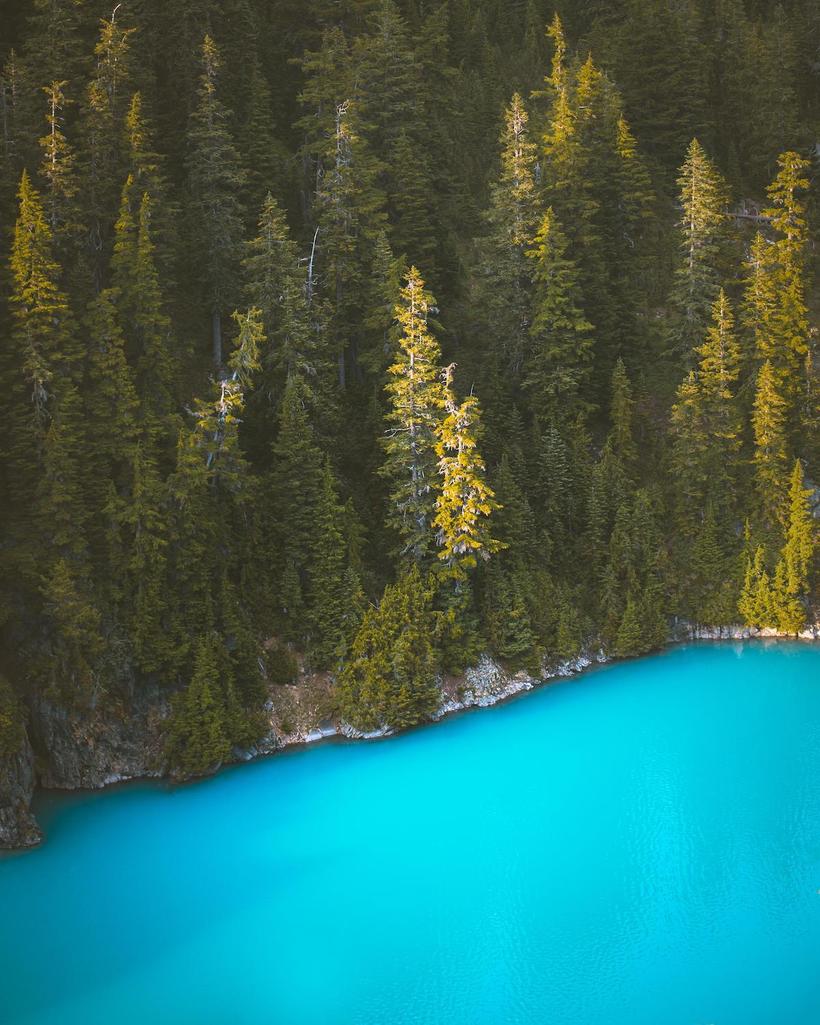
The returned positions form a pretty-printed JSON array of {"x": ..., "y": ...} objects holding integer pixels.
[
  {"x": 416, "y": 402},
  {"x": 296, "y": 482},
  {"x": 105, "y": 106},
  {"x": 505, "y": 271},
  {"x": 786, "y": 340},
  {"x": 42, "y": 325},
  {"x": 111, "y": 412},
  {"x": 276, "y": 285},
  {"x": 621, "y": 416},
  {"x": 197, "y": 740},
  {"x": 390, "y": 678},
  {"x": 215, "y": 179},
  {"x": 146, "y": 324},
  {"x": 559, "y": 359},
  {"x": 799, "y": 548},
  {"x": 703, "y": 200},
  {"x": 770, "y": 442},
  {"x": 707, "y": 422},
  {"x": 331, "y": 589},
  {"x": 58, "y": 167},
  {"x": 755, "y": 603},
  {"x": 465, "y": 501}
]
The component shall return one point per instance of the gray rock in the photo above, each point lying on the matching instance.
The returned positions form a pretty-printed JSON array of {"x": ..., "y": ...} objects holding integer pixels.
[
  {"x": 92, "y": 748},
  {"x": 17, "y": 825}
]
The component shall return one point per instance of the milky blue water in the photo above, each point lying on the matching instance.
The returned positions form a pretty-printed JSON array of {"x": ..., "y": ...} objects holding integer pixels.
[{"x": 638, "y": 846}]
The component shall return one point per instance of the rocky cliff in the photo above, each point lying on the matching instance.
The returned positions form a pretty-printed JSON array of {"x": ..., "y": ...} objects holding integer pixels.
[
  {"x": 69, "y": 750},
  {"x": 17, "y": 779}
]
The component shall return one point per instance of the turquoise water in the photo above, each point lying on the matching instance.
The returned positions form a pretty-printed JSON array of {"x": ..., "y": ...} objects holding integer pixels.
[{"x": 638, "y": 846}]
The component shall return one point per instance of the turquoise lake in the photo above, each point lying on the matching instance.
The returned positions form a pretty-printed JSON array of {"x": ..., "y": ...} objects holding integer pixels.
[{"x": 636, "y": 846}]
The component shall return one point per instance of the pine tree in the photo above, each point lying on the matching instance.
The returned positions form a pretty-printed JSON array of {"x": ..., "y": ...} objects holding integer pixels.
[
  {"x": 620, "y": 414},
  {"x": 786, "y": 343},
  {"x": 390, "y": 678},
  {"x": 706, "y": 421},
  {"x": 507, "y": 618},
  {"x": 756, "y": 600},
  {"x": 197, "y": 740},
  {"x": 350, "y": 217},
  {"x": 215, "y": 180},
  {"x": 40, "y": 366},
  {"x": 347, "y": 200},
  {"x": 266, "y": 160},
  {"x": 505, "y": 272},
  {"x": 66, "y": 669},
  {"x": 703, "y": 200},
  {"x": 111, "y": 410},
  {"x": 330, "y": 587},
  {"x": 105, "y": 106},
  {"x": 146, "y": 324},
  {"x": 296, "y": 489},
  {"x": 465, "y": 501},
  {"x": 800, "y": 543},
  {"x": 770, "y": 443},
  {"x": 409, "y": 203},
  {"x": 713, "y": 586},
  {"x": 143, "y": 525},
  {"x": 55, "y": 45},
  {"x": 559, "y": 359},
  {"x": 145, "y": 167},
  {"x": 276, "y": 285},
  {"x": 416, "y": 402},
  {"x": 58, "y": 169},
  {"x": 42, "y": 326},
  {"x": 632, "y": 591}
]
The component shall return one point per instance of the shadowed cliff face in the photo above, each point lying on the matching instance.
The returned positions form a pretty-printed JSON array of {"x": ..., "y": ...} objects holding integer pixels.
[
  {"x": 70, "y": 750},
  {"x": 17, "y": 825}
]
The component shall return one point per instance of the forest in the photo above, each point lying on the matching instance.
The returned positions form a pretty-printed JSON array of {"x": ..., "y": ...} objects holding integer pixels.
[{"x": 366, "y": 337}]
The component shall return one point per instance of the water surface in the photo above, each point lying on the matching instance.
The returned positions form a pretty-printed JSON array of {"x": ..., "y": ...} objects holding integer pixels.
[{"x": 639, "y": 846}]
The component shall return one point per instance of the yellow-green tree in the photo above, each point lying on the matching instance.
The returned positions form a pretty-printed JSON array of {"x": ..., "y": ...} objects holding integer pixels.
[
  {"x": 417, "y": 399},
  {"x": 465, "y": 502}
]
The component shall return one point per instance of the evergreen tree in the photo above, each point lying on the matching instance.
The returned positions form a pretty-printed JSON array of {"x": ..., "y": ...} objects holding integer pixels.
[
  {"x": 296, "y": 482},
  {"x": 703, "y": 199},
  {"x": 105, "y": 106},
  {"x": 215, "y": 180},
  {"x": 786, "y": 342},
  {"x": 465, "y": 502},
  {"x": 58, "y": 169},
  {"x": 756, "y": 599},
  {"x": 197, "y": 740},
  {"x": 559, "y": 359},
  {"x": 707, "y": 423},
  {"x": 42, "y": 326},
  {"x": 416, "y": 402},
  {"x": 505, "y": 273},
  {"x": 770, "y": 443},
  {"x": 797, "y": 557},
  {"x": 146, "y": 324},
  {"x": 621, "y": 416},
  {"x": 332, "y": 590},
  {"x": 390, "y": 678},
  {"x": 145, "y": 167},
  {"x": 111, "y": 411},
  {"x": 276, "y": 284}
]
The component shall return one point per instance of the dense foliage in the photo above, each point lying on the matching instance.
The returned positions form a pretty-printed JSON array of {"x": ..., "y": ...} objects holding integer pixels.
[{"x": 369, "y": 335}]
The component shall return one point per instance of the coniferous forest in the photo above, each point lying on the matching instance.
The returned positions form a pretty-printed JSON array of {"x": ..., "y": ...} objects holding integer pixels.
[{"x": 366, "y": 337}]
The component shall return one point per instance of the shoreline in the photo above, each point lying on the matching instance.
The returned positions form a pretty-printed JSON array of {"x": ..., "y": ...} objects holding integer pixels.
[{"x": 482, "y": 686}]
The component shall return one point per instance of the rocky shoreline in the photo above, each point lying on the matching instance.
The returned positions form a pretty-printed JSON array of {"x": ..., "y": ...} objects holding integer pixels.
[{"x": 95, "y": 750}]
